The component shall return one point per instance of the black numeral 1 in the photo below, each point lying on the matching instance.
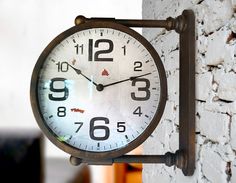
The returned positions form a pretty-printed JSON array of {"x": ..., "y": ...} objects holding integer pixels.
[
  {"x": 90, "y": 50},
  {"x": 124, "y": 49}
]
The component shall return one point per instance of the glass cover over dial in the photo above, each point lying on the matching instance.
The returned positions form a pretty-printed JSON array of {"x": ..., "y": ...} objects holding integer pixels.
[{"x": 98, "y": 90}]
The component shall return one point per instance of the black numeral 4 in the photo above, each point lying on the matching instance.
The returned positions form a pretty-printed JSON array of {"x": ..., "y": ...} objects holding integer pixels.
[{"x": 138, "y": 111}]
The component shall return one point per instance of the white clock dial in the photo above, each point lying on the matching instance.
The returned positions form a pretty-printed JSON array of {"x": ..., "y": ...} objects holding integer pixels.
[{"x": 99, "y": 89}]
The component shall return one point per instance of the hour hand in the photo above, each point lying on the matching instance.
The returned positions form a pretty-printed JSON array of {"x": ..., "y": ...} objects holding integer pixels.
[{"x": 79, "y": 72}]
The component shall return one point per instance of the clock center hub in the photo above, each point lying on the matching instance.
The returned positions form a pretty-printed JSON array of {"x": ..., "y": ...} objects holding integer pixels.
[{"x": 100, "y": 87}]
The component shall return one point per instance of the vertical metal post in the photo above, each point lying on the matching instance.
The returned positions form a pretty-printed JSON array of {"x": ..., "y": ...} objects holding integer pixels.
[{"x": 187, "y": 93}]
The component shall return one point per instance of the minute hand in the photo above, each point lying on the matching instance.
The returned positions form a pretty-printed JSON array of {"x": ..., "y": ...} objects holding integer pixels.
[
  {"x": 129, "y": 79},
  {"x": 80, "y": 73}
]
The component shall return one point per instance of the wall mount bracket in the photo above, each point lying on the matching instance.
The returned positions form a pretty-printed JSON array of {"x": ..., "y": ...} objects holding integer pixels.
[{"x": 184, "y": 158}]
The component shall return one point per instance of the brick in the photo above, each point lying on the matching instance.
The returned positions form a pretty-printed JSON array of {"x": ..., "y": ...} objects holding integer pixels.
[
  {"x": 221, "y": 106},
  {"x": 187, "y": 179},
  {"x": 233, "y": 169},
  {"x": 173, "y": 86},
  {"x": 174, "y": 141},
  {"x": 170, "y": 111},
  {"x": 233, "y": 132},
  {"x": 204, "y": 83},
  {"x": 200, "y": 65},
  {"x": 213, "y": 167},
  {"x": 159, "y": 173},
  {"x": 227, "y": 86},
  {"x": 214, "y": 126},
  {"x": 222, "y": 54},
  {"x": 214, "y": 14}
]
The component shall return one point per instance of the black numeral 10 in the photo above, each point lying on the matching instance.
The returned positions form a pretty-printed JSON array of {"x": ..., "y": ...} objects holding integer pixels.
[{"x": 62, "y": 66}]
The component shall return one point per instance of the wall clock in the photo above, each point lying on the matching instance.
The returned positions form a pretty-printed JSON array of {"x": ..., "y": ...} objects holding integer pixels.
[{"x": 99, "y": 89}]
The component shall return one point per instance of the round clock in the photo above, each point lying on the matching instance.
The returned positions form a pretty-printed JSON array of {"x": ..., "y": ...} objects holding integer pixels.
[{"x": 98, "y": 90}]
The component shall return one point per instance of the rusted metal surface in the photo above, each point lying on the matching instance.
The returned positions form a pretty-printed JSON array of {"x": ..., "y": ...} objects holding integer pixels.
[
  {"x": 168, "y": 159},
  {"x": 187, "y": 93},
  {"x": 177, "y": 24}
]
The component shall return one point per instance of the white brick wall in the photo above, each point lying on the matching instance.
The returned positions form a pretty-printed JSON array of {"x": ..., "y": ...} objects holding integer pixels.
[{"x": 215, "y": 91}]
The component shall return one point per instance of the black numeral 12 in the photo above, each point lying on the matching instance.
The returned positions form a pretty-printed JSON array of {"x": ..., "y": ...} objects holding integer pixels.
[{"x": 99, "y": 55}]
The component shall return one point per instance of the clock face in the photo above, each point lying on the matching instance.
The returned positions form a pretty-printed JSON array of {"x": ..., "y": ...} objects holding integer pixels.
[{"x": 98, "y": 91}]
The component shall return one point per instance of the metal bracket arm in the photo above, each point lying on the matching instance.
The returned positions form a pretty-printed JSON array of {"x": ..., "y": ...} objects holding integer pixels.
[
  {"x": 177, "y": 24},
  {"x": 169, "y": 159},
  {"x": 184, "y": 158}
]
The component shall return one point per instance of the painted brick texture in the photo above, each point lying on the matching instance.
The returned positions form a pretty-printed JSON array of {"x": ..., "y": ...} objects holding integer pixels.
[{"x": 215, "y": 91}]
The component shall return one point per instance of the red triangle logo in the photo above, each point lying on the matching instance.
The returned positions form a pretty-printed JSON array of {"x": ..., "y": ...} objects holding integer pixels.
[{"x": 105, "y": 73}]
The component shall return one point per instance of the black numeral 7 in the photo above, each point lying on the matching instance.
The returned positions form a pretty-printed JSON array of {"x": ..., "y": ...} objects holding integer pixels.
[{"x": 80, "y": 124}]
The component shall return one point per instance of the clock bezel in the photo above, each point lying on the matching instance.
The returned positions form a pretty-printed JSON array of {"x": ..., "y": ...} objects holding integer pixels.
[{"x": 89, "y": 154}]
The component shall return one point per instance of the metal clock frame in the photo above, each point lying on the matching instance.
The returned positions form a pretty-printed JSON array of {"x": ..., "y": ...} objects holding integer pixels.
[
  {"x": 184, "y": 158},
  {"x": 90, "y": 156}
]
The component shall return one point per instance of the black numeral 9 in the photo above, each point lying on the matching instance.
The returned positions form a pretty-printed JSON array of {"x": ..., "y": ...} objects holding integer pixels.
[{"x": 59, "y": 94}]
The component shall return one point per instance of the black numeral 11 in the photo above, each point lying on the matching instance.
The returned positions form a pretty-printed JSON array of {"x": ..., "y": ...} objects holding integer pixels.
[{"x": 81, "y": 47}]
